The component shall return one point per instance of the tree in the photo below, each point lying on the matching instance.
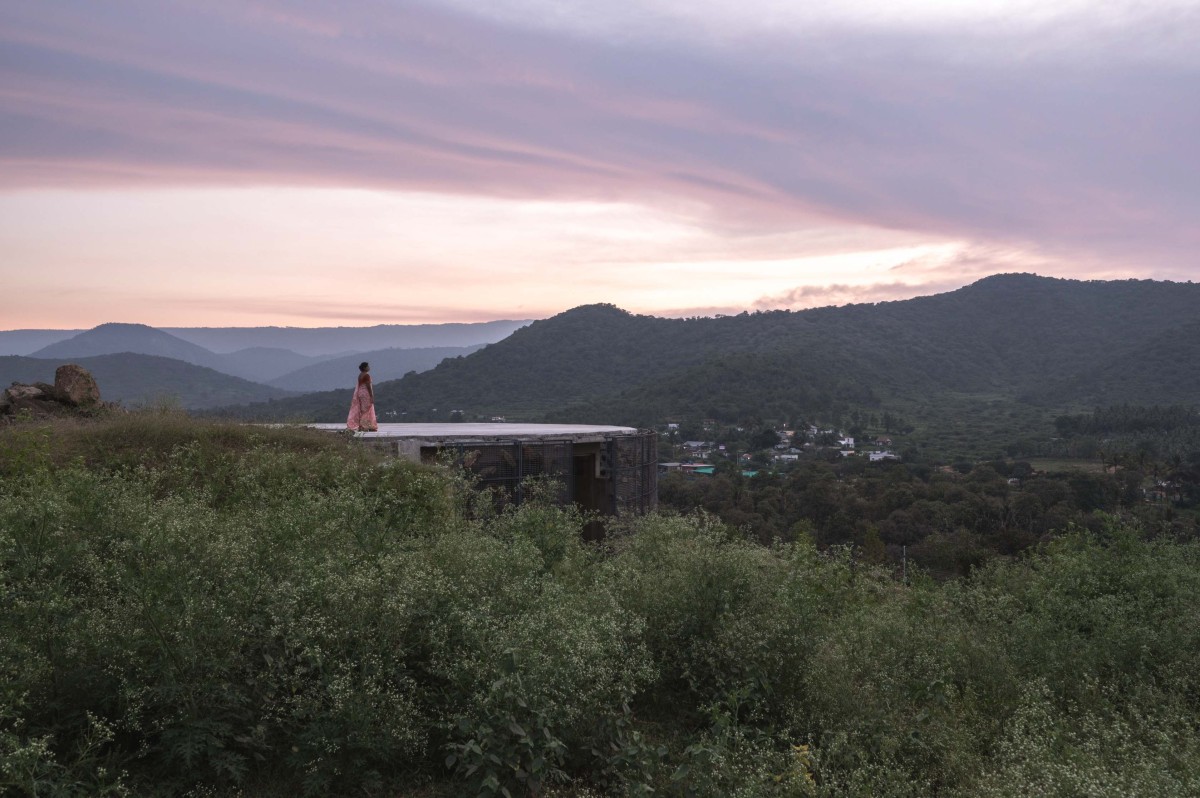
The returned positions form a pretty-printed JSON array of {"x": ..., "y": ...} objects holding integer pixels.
[{"x": 765, "y": 438}]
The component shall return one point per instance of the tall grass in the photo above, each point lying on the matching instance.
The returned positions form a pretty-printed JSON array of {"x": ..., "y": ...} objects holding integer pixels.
[{"x": 197, "y": 606}]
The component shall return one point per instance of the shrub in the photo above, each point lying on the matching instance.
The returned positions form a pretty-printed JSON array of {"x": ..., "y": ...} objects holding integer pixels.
[{"x": 201, "y": 607}]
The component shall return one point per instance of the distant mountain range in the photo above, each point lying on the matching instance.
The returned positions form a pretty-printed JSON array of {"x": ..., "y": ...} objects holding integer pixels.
[
  {"x": 110, "y": 339},
  {"x": 135, "y": 379},
  {"x": 263, "y": 363},
  {"x": 259, "y": 364},
  {"x": 25, "y": 342},
  {"x": 386, "y": 364},
  {"x": 316, "y": 342},
  {"x": 326, "y": 341},
  {"x": 1009, "y": 338},
  {"x": 262, "y": 372},
  {"x": 1011, "y": 342}
]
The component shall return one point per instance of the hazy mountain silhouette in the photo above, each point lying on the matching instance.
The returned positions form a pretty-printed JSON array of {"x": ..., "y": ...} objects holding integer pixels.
[
  {"x": 326, "y": 341},
  {"x": 114, "y": 338},
  {"x": 283, "y": 368},
  {"x": 23, "y": 342},
  {"x": 142, "y": 379},
  {"x": 386, "y": 364},
  {"x": 264, "y": 363}
]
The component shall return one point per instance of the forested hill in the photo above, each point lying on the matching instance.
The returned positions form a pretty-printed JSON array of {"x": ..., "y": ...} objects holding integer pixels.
[
  {"x": 1166, "y": 363},
  {"x": 1010, "y": 336}
]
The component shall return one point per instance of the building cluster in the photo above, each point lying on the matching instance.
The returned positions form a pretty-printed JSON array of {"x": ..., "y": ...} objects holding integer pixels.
[{"x": 700, "y": 456}]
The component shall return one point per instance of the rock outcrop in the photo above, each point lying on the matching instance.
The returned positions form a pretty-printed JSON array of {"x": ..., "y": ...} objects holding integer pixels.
[
  {"x": 74, "y": 393},
  {"x": 19, "y": 392},
  {"x": 75, "y": 385}
]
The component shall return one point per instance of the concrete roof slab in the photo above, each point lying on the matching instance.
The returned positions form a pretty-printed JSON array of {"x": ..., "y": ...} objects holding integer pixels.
[{"x": 434, "y": 433}]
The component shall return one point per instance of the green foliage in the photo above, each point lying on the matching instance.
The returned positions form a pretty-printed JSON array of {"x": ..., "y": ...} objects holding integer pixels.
[
  {"x": 25, "y": 447},
  {"x": 196, "y": 607},
  {"x": 1113, "y": 752},
  {"x": 510, "y": 750},
  {"x": 948, "y": 521},
  {"x": 29, "y": 766},
  {"x": 1162, "y": 438}
]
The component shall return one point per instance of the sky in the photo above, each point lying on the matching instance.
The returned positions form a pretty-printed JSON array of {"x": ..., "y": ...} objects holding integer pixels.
[{"x": 233, "y": 163}]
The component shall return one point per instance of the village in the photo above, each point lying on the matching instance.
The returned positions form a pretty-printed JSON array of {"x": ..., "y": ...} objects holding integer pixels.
[{"x": 771, "y": 449}]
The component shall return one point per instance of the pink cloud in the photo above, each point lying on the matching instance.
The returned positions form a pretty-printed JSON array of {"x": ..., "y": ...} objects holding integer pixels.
[
  {"x": 813, "y": 296},
  {"x": 1095, "y": 163}
]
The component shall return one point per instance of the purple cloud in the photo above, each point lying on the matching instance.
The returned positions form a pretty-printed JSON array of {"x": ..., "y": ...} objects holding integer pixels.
[{"x": 1079, "y": 155}]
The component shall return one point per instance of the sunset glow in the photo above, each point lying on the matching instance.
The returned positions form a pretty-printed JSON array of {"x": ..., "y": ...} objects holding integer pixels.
[{"x": 308, "y": 164}]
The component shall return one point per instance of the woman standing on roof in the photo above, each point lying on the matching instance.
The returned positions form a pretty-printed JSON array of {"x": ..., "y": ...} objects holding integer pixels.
[{"x": 362, "y": 406}]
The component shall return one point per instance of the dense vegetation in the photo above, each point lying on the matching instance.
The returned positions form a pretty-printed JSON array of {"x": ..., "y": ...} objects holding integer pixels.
[
  {"x": 194, "y": 606},
  {"x": 1163, "y": 437},
  {"x": 1138, "y": 463},
  {"x": 946, "y": 520}
]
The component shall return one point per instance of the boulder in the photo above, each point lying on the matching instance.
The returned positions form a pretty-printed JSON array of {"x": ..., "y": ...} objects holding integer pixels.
[
  {"x": 74, "y": 394},
  {"x": 76, "y": 385},
  {"x": 19, "y": 391}
]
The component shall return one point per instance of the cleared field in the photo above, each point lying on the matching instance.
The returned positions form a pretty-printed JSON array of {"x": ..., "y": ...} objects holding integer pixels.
[{"x": 1066, "y": 464}]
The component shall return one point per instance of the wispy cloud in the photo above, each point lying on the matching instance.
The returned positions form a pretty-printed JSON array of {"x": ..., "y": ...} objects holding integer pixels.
[
  {"x": 415, "y": 97},
  {"x": 1062, "y": 136},
  {"x": 813, "y": 296}
]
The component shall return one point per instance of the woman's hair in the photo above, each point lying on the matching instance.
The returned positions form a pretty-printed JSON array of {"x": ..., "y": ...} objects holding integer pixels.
[{"x": 363, "y": 366}]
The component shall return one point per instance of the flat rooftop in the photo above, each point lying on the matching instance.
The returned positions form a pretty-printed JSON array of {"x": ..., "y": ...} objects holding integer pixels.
[{"x": 437, "y": 433}]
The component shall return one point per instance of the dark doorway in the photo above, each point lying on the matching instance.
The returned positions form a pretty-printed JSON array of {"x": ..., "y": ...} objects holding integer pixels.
[{"x": 590, "y": 493}]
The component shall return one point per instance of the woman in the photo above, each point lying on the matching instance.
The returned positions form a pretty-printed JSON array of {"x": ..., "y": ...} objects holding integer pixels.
[{"x": 362, "y": 406}]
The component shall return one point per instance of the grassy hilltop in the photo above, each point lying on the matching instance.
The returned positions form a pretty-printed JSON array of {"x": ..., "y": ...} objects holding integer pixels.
[{"x": 203, "y": 607}]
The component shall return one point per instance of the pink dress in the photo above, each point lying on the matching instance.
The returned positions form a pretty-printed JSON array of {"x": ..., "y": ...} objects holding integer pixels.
[{"x": 362, "y": 409}]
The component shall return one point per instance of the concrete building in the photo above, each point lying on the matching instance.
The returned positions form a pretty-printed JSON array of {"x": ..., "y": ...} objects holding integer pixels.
[{"x": 607, "y": 470}]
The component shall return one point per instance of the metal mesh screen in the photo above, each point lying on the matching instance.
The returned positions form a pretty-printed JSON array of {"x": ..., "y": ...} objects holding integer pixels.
[
  {"x": 634, "y": 462},
  {"x": 551, "y": 459},
  {"x": 631, "y": 461},
  {"x": 503, "y": 467}
]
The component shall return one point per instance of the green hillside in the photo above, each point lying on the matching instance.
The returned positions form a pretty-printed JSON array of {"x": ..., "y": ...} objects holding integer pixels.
[
  {"x": 1009, "y": 341},
  {"x": 1167, "y": 364}
]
